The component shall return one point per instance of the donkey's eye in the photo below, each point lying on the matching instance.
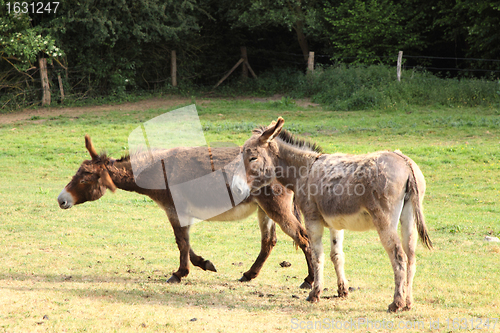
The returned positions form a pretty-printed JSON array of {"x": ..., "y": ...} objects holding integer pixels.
[
  {"x": 83, "y": 182},
  {"x": 253, "y": 159}
]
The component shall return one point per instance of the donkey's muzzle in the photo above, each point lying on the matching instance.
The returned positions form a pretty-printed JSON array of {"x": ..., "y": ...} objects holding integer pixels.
[
  {"x": 65, "y": 199},
  {"x": 239, "y": 189}
]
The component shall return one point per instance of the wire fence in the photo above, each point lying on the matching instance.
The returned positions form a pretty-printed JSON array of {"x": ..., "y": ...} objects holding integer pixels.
[
  {"x": 78, "y": 83},
  {"x": 420, "y": 62}
]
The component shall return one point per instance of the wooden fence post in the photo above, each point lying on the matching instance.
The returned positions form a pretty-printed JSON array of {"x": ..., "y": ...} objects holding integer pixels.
[
  {"x": 174, "y": 69},
  {"x": 60, "y": 86},
  {"x": 244, "y": 68},
  {"x": 243, "y": 60},
  {"x": 400, "y": 59},
  {"x": 310, "y": 62},
  {"x": 45, "y": 81},
  {"x": 229, "y": 73}
]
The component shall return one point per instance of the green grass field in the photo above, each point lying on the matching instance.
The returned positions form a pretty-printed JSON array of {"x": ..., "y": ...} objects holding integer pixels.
[{"x": 102, "y": 266}]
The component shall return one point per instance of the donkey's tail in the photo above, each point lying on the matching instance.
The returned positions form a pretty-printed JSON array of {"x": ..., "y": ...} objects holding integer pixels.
[
  {"x": 416, "y": 202},
  {"x": 418, "y": 213}
]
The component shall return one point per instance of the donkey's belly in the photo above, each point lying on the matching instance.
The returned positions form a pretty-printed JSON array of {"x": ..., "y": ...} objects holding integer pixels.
[
  {"x": 239, "y": 212},
  {"x": 359, "y": 221}
]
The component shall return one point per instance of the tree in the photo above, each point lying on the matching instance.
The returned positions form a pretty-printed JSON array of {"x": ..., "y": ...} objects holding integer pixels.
[
  {"x": 112, "y": 40},
  {"x": 21, "y": 43},
  {"x": 370, "y": 31},
  {"x": 478, "y": 22},
  {"x": 301, "y": 16}
]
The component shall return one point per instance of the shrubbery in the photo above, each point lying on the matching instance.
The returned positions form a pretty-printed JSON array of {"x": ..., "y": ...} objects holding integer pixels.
[
  {"x": 359, "y": 87},
  {"x": 339, "y": 87}
]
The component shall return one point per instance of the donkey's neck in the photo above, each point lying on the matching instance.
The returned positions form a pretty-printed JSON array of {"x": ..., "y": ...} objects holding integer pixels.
[
  {"x": 121, "y": 174},
  {"x": 293, "y": 164}
]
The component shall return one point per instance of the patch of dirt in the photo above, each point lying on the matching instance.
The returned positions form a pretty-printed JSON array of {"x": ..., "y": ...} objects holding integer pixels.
[
  {"x": 153, "y": 103},
  {"x": 304, "y": 102},
  {"x": 168, "y": 102}
]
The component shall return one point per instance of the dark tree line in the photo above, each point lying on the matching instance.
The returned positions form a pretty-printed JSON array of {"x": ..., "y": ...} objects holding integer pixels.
[{"x": 116, "y": 44}]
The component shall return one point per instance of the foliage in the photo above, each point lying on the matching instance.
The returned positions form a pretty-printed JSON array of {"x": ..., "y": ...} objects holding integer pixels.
[
  {"x": 362, "y": 87},
  {"x": 123, "y": 38},
  {"x": 110, "y": 48},
  {"x": 369, "y": 31},
  {"x": 21, "y": 43},
  {"x": 302, "y": 16},
  {"x": 477, "y": 23}
]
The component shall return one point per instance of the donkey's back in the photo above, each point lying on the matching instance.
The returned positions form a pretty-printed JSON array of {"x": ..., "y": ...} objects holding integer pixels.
[{"x": 358, "y": 185}]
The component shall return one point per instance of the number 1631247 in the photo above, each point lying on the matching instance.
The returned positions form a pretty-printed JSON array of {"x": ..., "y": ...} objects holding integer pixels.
[{"x": 32, "y": 7}]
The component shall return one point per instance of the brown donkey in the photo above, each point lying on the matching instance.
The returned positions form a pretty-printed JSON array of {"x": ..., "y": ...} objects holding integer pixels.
[
  {"x": 340, "y": 191},
  {"x": 274, "y": 203}
]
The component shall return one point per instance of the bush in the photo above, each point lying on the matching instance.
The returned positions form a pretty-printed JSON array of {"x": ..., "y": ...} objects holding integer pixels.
[{"x": 359, "y": 87}]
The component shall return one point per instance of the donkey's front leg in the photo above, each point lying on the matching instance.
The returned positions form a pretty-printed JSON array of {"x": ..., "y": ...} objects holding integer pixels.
[
  {"x": 337, "y": 256},
  {"x": 268, "y": 241},
  {"x": 280, "y": 208},
  {"x": 315, "y": 232},
  {"x": 392, "y": 244}
]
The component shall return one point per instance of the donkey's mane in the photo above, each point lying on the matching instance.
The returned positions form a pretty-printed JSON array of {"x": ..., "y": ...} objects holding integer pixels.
[
  {"x": 142, "y": 159},
  {"x": 289, "y": 138},
  {"x": 102, "y": 157},
  {"x": 125, "y": 158},
  {"x": 140, "y": 155}
]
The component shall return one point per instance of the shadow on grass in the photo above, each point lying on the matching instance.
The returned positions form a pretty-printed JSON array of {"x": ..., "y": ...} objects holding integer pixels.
[{"x": 154, "y": 290}]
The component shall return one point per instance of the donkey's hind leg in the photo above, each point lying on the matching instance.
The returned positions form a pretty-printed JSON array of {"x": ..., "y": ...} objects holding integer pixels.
[
  {"x": 410, "y": 236},
  {"x": 182, "y": 239},
  {"x": 199, "y": 261},
  {"x": 337, "y": 256},
  {"x": 268, "y": 241},
  {"x": 387, "y": 230}
]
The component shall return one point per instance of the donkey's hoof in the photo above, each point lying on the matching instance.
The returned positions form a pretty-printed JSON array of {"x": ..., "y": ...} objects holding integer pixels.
[
  {"x": 305, "y": 285},
  {"x": 209, "y": 266},
  {"x": 174, "y": 279},
  {"x": 342, "y": 293},
  {"x": 312, "y": 299},
  {"x": 393, "y": 307},
  {"x": 244, "y": 279},
  {"x": 408, "y": 305}
]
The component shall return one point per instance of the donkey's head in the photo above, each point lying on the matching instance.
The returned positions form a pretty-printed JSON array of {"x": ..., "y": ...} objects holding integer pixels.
[
  {"x": 90, "y": 181},
  {"x": 259, "y": 155}
]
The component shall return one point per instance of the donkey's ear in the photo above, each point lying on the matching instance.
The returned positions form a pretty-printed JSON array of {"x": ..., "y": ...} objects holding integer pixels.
[
  {"x": 107, "y": 181},
  {"x": 90, "y": 147},
  {"x": 272, "y": 131}
]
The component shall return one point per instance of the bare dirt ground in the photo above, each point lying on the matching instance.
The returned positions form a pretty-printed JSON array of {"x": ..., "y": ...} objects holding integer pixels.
[{"x": 152, "y": 103}]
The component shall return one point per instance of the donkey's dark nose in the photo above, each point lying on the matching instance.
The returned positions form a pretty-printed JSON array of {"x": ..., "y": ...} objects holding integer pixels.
[{"x": 63, "y": 204}]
